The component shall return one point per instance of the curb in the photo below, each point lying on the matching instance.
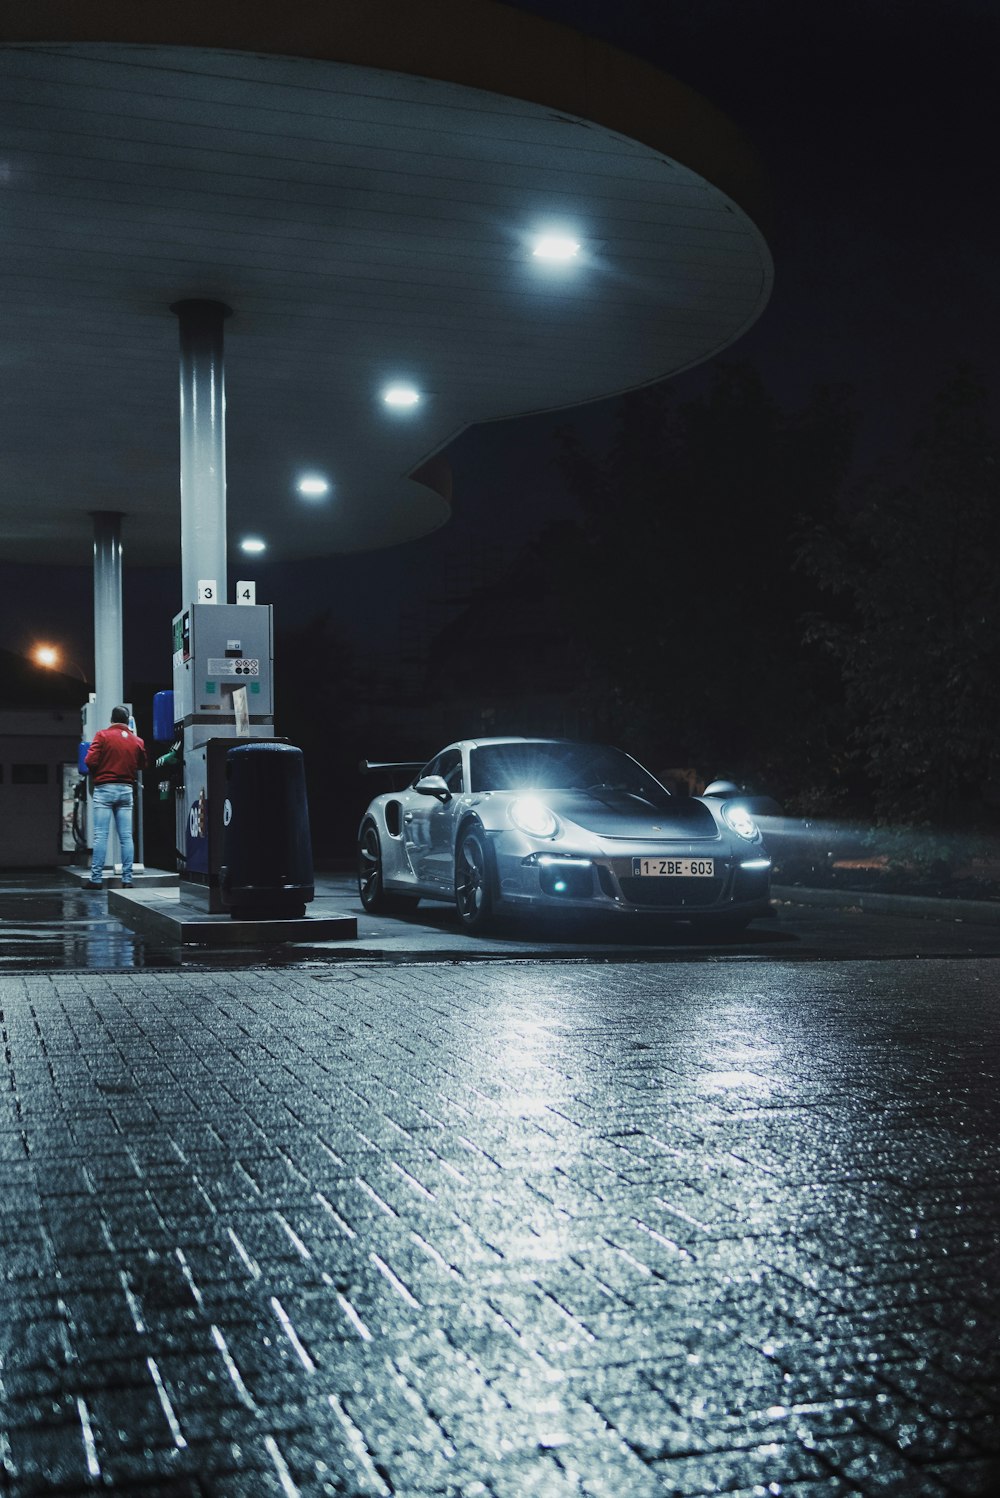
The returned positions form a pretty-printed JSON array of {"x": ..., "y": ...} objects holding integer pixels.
[{"x": 985, "y": 912}]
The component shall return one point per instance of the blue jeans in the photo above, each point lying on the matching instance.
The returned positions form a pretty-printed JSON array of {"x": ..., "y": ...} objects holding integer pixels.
[{"x": 112, "y": 800}]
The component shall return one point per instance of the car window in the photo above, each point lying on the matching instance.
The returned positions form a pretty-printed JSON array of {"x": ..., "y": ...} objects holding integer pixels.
[
  {"x": 551, "y": 765},
  {"x": 450, "y": 766},
  {"x": 430, "y": 768},
  {"x": 447, "y": 764}
]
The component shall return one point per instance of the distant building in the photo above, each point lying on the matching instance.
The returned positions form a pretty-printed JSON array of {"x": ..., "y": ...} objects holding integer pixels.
[{"x": 39, "y": 734}]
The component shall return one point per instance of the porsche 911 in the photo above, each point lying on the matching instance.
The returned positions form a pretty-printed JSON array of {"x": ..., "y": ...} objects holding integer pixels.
[{"x": 496, "y": 825}]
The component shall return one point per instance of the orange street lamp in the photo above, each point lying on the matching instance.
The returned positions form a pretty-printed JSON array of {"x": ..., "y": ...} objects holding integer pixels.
[{"x": 51, "y": 658}]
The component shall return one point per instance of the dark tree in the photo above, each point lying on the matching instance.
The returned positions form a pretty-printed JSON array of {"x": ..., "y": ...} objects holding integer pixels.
[
  {"x": 909, "y": 564},
  {"x": 320, "y": 705},
  {"x": 682, "y": 574}
]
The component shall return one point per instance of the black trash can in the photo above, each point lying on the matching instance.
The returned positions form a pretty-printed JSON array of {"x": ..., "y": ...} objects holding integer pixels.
[{"x": 267, "y": 868}]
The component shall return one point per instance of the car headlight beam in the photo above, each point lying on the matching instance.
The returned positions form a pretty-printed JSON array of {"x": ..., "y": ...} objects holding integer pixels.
[
  {"x": 742, "y": 823},
  {"x": 533, "y": 817}
]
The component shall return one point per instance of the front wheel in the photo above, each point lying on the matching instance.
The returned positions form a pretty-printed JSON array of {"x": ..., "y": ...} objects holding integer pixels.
[
  {"x": 370, "y": 884},
  {"x": 473, "y": 881}
]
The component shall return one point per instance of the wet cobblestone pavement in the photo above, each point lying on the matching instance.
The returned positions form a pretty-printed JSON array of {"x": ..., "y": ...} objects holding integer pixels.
[
  {"x": 504, "y": 1230},
  {"x": 48, "y": 924}
]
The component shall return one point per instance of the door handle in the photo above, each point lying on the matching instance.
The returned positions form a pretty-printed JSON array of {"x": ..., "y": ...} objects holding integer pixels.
[{"x": 407, "y": 816}]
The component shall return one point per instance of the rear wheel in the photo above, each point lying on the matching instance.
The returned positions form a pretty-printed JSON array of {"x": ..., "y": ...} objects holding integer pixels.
[
  {"x": 370, "y": 883},
  {"x": 474, "y": 897}
]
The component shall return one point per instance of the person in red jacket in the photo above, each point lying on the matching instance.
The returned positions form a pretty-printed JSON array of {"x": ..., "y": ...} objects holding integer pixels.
[{"x": 113, "y": 761}]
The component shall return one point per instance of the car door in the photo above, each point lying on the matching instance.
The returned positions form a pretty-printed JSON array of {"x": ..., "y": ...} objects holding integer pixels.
[{"x": 428, "y": 822}]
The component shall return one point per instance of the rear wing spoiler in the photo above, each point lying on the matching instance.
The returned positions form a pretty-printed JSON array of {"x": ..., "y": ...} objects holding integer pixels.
[{"x": 399, "y": 766}]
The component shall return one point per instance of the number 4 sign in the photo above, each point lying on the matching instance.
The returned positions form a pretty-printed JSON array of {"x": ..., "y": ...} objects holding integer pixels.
[{"x": 246, "y": 592}]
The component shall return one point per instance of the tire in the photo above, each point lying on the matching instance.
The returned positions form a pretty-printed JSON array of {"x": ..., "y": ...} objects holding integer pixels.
[
  {"x": 474, "y": 882},
  {"x": 370, "y": 885}
]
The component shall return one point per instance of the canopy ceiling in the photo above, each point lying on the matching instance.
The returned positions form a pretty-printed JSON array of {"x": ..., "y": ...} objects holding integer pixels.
[{"x": 366, "y": 223}]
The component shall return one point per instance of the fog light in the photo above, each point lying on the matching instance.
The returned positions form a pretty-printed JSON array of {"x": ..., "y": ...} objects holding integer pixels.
[{"x": 566, "y": 878}]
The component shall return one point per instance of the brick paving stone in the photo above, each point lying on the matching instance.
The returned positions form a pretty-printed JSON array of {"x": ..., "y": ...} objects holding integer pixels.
[
  {"x": 748, "y": 1467},
  {"x": 967, "y": 1479},
  {"x": 445, "y": 1230}
]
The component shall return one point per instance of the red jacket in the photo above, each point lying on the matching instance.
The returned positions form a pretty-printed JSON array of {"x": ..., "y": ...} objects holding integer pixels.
[{"x": 116, "y": 755}]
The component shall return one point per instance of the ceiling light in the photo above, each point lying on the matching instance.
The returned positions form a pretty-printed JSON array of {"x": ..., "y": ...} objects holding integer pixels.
[
  {"x": 556, "y": 248},
  {"x": 313, "y": 486},
  {"x": 401, "y": 396},
  {"x": 253, "y": 543}
]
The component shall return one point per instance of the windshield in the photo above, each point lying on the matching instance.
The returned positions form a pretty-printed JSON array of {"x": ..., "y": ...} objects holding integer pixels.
[{"x": 548, "y": 766}]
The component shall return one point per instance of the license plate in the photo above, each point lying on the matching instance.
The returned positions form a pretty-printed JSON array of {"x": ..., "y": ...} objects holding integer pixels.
[{"x": 673, "y": 868}]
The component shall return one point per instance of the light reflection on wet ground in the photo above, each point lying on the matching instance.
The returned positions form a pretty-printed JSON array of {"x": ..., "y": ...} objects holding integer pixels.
[
  {"x": 49, "y": 924},
  {"x": 46, "y": 923}
]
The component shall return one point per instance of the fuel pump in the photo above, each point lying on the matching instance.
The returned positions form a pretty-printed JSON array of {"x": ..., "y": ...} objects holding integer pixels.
[
  {"x": 81, "y": 801},
  {"x": 223, "y": 669},
  {"x": 83, "y": 815}
]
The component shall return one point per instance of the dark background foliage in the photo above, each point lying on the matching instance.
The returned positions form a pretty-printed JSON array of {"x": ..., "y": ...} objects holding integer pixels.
[{"x": 907, "y": 561}]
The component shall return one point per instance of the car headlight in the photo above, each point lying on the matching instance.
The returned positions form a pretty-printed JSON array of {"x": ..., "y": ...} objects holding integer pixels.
[
  {"x": 533, "y": 817},
  {"x": 739, "y": 819}
]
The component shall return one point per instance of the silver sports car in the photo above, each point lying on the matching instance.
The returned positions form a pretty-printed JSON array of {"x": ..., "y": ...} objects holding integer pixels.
[{"x": 501, "y": 824}]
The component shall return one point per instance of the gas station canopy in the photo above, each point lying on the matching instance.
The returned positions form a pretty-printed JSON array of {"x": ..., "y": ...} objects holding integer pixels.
[{"x": 485, "y": 213}]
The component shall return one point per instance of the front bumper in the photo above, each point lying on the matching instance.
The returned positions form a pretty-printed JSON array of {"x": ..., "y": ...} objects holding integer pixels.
[{"x": 606, "y": 882}]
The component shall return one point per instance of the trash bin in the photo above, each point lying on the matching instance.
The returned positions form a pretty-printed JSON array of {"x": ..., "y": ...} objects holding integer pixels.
[{"x": 267, "y": 869}]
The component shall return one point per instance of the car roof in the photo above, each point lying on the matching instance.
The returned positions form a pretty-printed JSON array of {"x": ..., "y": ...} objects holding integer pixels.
[{"x": 510, "y": 738}]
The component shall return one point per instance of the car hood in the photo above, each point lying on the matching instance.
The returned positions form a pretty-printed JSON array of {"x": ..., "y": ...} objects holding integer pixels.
[{"x": 615, "y": 814}]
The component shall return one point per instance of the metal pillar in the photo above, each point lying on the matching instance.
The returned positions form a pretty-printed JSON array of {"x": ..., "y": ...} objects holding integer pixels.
[
  {"x": 108, "y": 670},
  {"x": 203, "y": 448}
]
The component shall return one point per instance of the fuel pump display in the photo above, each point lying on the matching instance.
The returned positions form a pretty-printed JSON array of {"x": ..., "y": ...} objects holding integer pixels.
[{"x": 218, "y": 647}]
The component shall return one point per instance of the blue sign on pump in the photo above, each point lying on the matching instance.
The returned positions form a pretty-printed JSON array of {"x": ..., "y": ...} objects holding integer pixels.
[
  {"x": 81, "y": 756},
  {"x": 163, "y": 717}
]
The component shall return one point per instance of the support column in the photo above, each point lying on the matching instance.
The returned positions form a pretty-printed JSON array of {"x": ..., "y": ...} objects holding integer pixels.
[
  {"x": 203, "y": 446},
  {"x": 108, "y": 669}
]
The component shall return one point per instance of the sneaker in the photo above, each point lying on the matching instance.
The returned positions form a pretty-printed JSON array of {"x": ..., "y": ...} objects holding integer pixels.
[
  {"x": 127, "y": 884},
  {"x": 93, "y": 884}
]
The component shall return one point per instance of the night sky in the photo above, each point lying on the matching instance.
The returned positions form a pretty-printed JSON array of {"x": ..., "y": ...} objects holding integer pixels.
[{"x": 875, "y": 122}]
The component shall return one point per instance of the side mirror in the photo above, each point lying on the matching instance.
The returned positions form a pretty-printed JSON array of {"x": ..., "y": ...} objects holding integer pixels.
[
  {"x": 433, "y": 785},
  {"x": 721, "y": 788},
  {"x": 756, "y": 805}
]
